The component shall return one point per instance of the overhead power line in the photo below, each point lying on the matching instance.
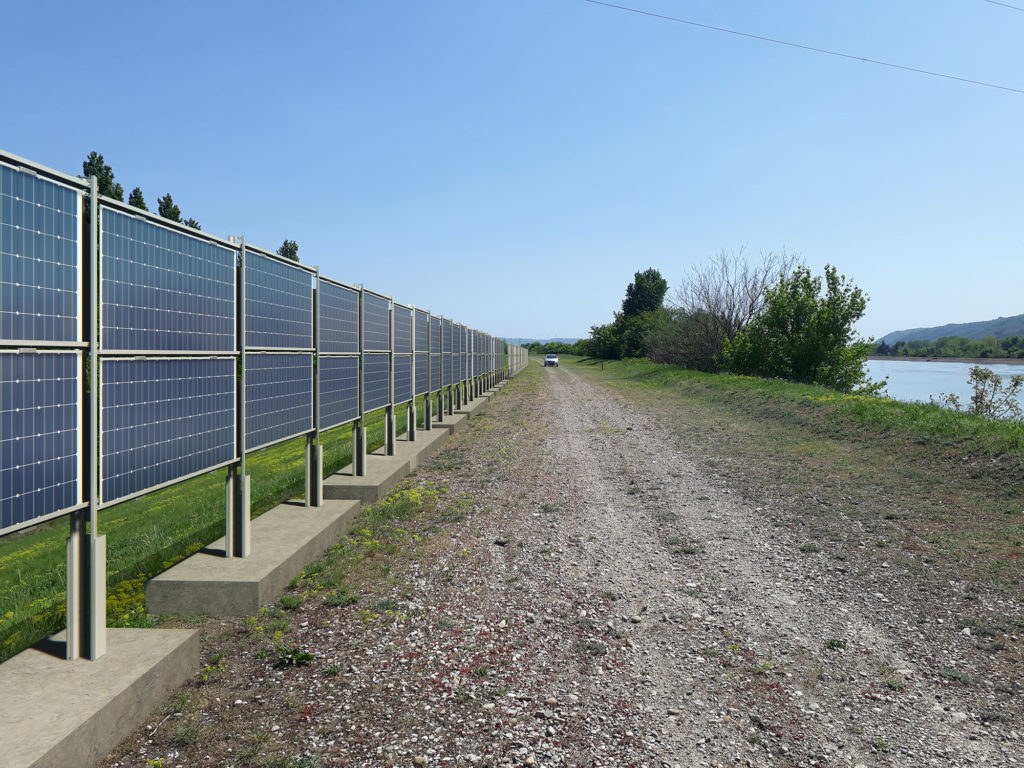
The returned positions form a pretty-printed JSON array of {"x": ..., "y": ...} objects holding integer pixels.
[
  {"x": 806, "y": 47},
  {"x": 1005, "y": 5}
]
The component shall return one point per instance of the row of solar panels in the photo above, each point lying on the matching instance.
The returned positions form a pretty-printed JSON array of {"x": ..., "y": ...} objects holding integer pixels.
[{"x": 172, "y": 345}]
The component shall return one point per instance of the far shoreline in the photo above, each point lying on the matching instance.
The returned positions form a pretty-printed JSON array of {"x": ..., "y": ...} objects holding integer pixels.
[{"x": 974, "y": 360}]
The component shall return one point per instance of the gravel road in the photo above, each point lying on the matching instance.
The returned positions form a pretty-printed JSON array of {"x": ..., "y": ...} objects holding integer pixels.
[{"x": 610, "y": 601}]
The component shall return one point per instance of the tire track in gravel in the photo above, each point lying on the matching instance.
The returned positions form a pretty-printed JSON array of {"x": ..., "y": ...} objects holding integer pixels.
[{"x": 746, "y": 652}]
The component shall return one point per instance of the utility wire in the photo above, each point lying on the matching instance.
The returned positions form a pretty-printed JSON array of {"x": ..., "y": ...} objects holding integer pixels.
[
  {"x": 808, "y": 47},
  {"x": 1005, "y": 5}
]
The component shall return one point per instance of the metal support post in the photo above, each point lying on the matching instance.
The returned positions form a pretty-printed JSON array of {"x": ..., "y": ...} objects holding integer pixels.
[
  {"x": 359, "y": 429},
  {"x": 410, "y": 420},
  {"x": 427, "y": 415},
  {"x": 390, "y": 430},
  {"x": 314, "y": 472}
]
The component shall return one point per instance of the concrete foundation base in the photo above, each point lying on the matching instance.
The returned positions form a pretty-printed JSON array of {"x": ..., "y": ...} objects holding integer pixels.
[
  {"x": 284, "y": 541},
  {"x": 56, "y": 713}
]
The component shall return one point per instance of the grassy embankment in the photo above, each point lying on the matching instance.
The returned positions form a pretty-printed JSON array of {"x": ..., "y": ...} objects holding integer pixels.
[
  {"x": 149, "y": 534},
  {"x": 932, "y": 489}
]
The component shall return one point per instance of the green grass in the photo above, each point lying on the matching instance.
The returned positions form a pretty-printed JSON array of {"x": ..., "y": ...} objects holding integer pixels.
[{"x": 151, "y": 533}]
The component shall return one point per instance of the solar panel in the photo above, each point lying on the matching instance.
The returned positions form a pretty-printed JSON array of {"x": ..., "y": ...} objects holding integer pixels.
[
  {"x": 435, "y": 334},
  {"x": 163, "y": 419},
  {"x": 446, "y": 335},
  {"x": 278, "y": 304},
  {"x": 376, "y": 323},
  {"x": 435, "y": 373},
  {"x": 339, "y": 390},
  {"x": 446, "y": 370},
  {"x": 403, "y": 378},
  {"x": 376, "y": 378},
  {"x": 339, "y": 319},
  {"x": 39, "y": 258},
  {"x": 164, "y": 290},
  {"x": 422, "y": 369},
  {"x": 40, "y": 436},
  {"x": 278, "y": 397},
  {"x": 403, "y": 329},
  {"x": 422, "y": 331}
]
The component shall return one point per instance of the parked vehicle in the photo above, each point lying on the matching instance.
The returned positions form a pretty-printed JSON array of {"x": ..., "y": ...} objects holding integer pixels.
[{"x": 551, "y": 360}]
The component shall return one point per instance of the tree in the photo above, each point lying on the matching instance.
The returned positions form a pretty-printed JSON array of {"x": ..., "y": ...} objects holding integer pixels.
[
  {"x": 190, "y": 222},
  {"x": 645, "y": 293},
  {"x": 289, "y": 250},
  {"x": 94, "y": 166},
  {"x": 167, "y": 208},
  {"x": 990, "y": 396},
  {"x": 804, "y": 336},
  {"x": 717, "y": 300},
  {"x": 136, "y": 200}
]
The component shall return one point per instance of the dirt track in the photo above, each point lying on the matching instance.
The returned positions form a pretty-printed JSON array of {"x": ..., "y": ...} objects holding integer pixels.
[{"x": 612, "y": 602}]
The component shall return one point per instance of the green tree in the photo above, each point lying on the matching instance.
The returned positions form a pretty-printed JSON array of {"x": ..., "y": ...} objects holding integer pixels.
[
  {"x": 136, "y": 200},
  {"x": 645, "y": 293},
  {"x": 167, "y": 208},
  {"x": 190, "y": 222},
  {"x": 805, "y": 336},
  {"x": 289, "y": 250},
  {"x": 94, "y": 166}
]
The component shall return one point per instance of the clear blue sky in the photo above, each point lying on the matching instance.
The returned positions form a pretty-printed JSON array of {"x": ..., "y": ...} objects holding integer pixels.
[{"x": 512, "y": 163}]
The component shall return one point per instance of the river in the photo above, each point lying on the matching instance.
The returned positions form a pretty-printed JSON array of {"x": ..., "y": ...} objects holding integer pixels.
[{"x": 912, "y": 380}]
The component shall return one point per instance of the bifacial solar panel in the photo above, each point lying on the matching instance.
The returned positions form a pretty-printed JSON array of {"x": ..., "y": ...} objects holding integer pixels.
[
  {"x": 376, "y": 377},
  {"x": 403, "y": 378},
  {"x": 40, "y": 437},
  {"x": 163, "y": 290},
  {"x": 376, "y": 323},
  {"x": 446, "y": 335},
  {"x": 278, "y": 304},
  {"x": 339, "y": 390},
  {"x": 339, "y": 319},
  {"x": 435, "y": 335},
  {"x": 403, "y": 329},
  {"x": 422, "y": 331},
  {"x": 446, "y": 370},
  {"x": 39, "y": 258},
  {"x": 278, "y": 397},
  {"x": 422, "y": 371},
  {"x": 163, "y": 419},
  {"x": 435, "y": 373}
]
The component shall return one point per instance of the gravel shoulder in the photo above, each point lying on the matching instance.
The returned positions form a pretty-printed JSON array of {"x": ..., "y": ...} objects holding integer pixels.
[{"x": 586, "y": 591}]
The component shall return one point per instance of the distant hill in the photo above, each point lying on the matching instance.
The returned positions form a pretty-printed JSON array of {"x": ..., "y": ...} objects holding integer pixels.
[
  {"x": 542, "y": 341},
  {"x": 1001, "y": 327}
]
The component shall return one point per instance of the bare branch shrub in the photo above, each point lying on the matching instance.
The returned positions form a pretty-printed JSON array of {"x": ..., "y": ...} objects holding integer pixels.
[{"x": 990, "y": 396}]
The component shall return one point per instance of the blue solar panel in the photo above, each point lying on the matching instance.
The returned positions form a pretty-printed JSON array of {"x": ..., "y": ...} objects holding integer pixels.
[
  {"x": 339, "y": 319},
  {"x": 39, "y": 258},
  {"x": 422, "y": 331},
  {"x": 163, "y": 419},
  {"x": 403, "y": 378},
  {"x": 278, "y": 397},
  {"x": 339, "y": 390},
  {"x": 376, "y": 381},
  {"x": 403, "y": 329},
  {"x": 435, "y": 335},
  {"x": 40, "y": 409},
  {"x": 164, "y": 290},
  {"x": 446, "y": 370},
  {"x": 376, "y": 323},
  {"x": 278, "y": 304},
  {"x": 422, "y": 369},
  {"x": 435, "y": 373},
  {"x": 446, "y": 335}
]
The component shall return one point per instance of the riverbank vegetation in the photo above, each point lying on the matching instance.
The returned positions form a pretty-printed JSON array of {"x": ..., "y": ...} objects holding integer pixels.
[{"x": 989, "y": 347}]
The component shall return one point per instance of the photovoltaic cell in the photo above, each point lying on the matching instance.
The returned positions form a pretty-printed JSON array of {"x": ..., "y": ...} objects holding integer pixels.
[
  {"x": 403, "y": 329},
  {"x": 403, "y": 378},
  {"x": 339, "y": 319},
  {"x": 446, "y": 372},
  {"x": 163, "y": 290},
  {"x": 163, "y": 419},
  {"x": 435, "y": 373},
  {"x": 40, "y": 412},
  {"x": 278, "y": 397},
  {"x": 422, "y": 369},
  {"x": 422, "y": 331},
  {"x": 376, "y": 375},
  {"x": 339, "y": 390},
  {"x": 435, "y": 335},
  {"x": 39, "y": 258},
  {"x": 446, "y": 335},
  {"x": 376, "y": 323},
  {"x": 278, "y": 304}
]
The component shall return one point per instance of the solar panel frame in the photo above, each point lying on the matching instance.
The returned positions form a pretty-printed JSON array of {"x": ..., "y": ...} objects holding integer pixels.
[
  {"x": 422, "y": 334},
  {"x": 150, "y": 408},
  {"x": 40, "y": 427},
  {"x": 376, "y": 322},
  {"x": 402, "y": 341},
  {"x": 402, "y": 379},
  {"x": 446, "y": 335},
  {"x": 278, "y": 303},
  {"x": 435, "y": 335},
  {"x": 435, "y": 373},
  {"x": 278, "y": 397},
  {"x": 376, "y": 381},
  {"x": 41, "y": 256},
  {"x": 338, "y": 322},
  {"x": 338, "y": 390},
  {"x": 164, "y": 290},
  {"x": 422, "y": 366}
]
